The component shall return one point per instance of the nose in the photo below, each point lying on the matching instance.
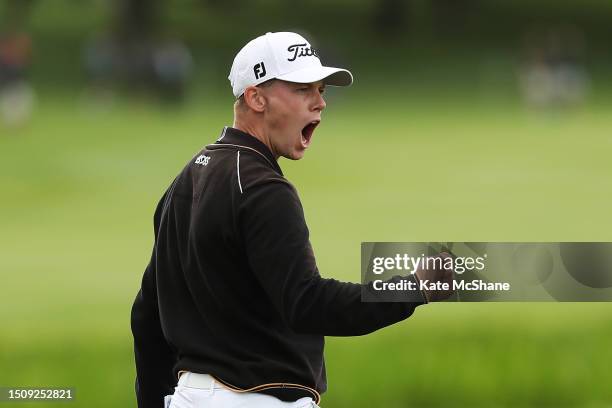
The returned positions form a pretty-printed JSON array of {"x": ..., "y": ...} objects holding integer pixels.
[{"x": 320, "y": 102}]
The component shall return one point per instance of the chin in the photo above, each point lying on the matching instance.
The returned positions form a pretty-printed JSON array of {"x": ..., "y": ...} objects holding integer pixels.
[{"x": 296, "y": 155}]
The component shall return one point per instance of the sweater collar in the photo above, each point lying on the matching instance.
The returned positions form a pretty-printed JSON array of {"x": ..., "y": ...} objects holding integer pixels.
[{"x": 233, "y": 136}]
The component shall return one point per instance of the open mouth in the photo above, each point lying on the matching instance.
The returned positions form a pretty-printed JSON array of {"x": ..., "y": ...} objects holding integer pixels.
[{"x": 307, "y": 132}]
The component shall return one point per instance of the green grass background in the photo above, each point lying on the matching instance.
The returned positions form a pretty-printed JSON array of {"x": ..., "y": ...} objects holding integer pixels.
[{"x": 79, "y": 187}]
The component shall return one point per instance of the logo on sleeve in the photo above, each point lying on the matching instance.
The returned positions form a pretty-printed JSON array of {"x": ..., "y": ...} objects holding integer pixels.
[
  {"x": 259, "y": 70},
  {"x": 202, "y": 160},
  {"x": 301, "y": 50}
]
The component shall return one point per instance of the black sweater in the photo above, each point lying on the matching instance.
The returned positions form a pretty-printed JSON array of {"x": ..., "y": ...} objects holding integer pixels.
[{"x": 232, "y": 288}]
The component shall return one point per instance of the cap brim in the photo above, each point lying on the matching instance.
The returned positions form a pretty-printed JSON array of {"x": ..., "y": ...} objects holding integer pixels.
[{"x": 330, "y": 76}]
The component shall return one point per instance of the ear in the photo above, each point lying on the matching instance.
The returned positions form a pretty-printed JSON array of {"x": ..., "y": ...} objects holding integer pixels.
[{"x": 254, "y": 98}]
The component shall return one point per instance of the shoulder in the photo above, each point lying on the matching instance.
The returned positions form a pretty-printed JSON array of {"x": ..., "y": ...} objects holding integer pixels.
[
  {"x": 249, "y": 169},
  {"x": 255, "y": 171}
]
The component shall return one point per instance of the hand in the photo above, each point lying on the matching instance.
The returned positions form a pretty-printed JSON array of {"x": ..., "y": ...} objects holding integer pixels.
[{"x": 438, "y": 281}]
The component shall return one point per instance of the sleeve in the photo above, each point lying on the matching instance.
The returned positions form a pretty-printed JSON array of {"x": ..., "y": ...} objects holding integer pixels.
[
  {"x": 154, "y": 357},
  {"x": 277, "y": 242}
]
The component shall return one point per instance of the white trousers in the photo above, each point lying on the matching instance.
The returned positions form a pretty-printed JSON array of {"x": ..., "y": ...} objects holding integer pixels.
[{"x": 203, "y": 391}]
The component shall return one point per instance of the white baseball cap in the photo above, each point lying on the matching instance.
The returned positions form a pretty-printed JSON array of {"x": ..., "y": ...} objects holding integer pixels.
[{"x": 283, "y": 55}]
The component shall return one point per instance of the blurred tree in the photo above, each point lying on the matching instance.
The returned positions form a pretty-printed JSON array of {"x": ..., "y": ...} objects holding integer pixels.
[
  {"x": 452, "y": 16},
  {"x": 136, "y": 19},
  {"x": 395, "y": 17},
  {"x": 391, "y": 16},
  {"x": 15, "y": 14},
  {"x": 135, "y": 26},
  {"x": 219, "y": 4}
]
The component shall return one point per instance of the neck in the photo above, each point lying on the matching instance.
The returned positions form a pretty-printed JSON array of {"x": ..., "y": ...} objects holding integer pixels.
[{"x": 256, "y": 130}]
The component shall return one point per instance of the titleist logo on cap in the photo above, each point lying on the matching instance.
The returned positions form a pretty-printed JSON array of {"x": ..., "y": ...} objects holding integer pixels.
[{"x": 301, "y": 50}]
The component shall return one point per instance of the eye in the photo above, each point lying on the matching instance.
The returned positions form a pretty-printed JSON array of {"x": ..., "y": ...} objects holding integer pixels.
[
  {"x": 302, "y": 89},
  {"x": 321, "y": 91}
]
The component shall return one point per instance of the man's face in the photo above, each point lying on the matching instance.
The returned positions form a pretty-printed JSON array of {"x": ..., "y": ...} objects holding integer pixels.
[{"x": 292, "y": 113}]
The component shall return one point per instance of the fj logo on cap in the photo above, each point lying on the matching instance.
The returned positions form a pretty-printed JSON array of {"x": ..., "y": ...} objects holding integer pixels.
[
  {"x": 301, "y": 50},
  {"x": 259, "y": 70}
]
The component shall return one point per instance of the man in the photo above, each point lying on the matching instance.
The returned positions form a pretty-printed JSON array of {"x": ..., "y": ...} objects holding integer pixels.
[{"x": 232, "y": 302}]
